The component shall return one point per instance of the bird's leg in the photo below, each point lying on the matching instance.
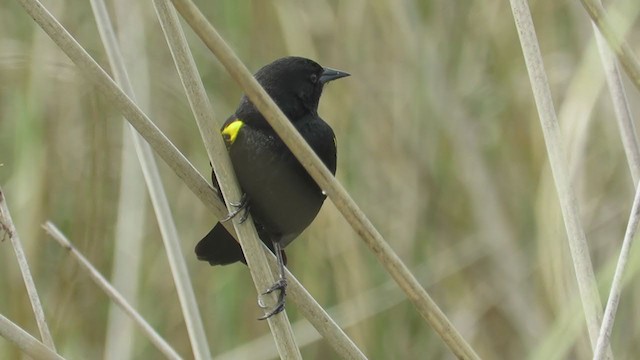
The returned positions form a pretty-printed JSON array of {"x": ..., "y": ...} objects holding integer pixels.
[
  {"x": 242, "y": 206},
  {"x": 280, "y": 285}
]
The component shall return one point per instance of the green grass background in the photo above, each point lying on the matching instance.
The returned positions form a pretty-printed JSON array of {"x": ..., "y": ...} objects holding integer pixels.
[{"x": 438, "y": 142}]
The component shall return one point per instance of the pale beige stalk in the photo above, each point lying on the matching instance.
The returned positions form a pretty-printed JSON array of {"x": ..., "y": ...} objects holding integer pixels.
[{"x": 334, "y": 190}]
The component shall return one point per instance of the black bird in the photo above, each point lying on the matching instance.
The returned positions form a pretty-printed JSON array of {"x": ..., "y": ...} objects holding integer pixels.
[{"x": 281, "y": 196}]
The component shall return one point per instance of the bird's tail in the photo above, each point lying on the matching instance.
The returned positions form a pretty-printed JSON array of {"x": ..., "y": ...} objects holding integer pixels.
[{"x": 218, "y": 247}]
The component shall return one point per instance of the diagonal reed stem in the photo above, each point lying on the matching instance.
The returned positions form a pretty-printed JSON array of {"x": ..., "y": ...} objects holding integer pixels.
[
  {"x": 36, "y": 305},
  {"x": 168, "y": 230},
  {"x": 217, "y": 151},
  {"x": 621, "y": 48},
  {"x": 27, "y": 343},
  {"x": 112, "y": 293},
  {"x": 592, "y": 306},
  {"x": 172, "y": 157},
  {"x": 632, "y": 151},
  {"x": 616, "y": 287},
  {"x": 132, "y": 202},
  {"x": 352, "y": 213},
  {"x": 620, "y": 107}
]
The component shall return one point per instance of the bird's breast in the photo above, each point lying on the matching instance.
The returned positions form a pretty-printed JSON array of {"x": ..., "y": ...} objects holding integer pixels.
[{"x": 283, "y": 198}]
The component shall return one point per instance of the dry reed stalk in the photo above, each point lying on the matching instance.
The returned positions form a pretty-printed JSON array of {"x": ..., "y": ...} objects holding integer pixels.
[
  {"x": 7, "y": 224},
  {"x": 592, "y": 306},
  {"x": 334, "y": 190},
  {"x": 27, "y": 343},
  {"x": 217, "y": 151},
  {"x": 167, "y": 151},
  {"x": 603, "y": 341},
  {"x": 621, "y": 48},
  {"x": 132, "y": 206},
  {"x": 111, "y": 292},
  {"x": 168, "y": 230},
  {"x": 632, "y": 151}
]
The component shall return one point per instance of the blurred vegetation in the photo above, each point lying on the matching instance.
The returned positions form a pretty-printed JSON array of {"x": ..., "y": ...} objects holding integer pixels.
[{"x": 439, "y": 143}]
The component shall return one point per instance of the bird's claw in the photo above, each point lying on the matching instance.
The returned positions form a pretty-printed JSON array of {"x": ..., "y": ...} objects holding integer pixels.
[
  {"x": 281, "y": 286},
  {"x": 5, "y": 231},
  {"x": 242, "y": 206}
]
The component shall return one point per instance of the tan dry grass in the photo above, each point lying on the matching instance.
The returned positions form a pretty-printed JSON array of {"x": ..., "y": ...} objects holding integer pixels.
[{"x": 399, "y": 158}]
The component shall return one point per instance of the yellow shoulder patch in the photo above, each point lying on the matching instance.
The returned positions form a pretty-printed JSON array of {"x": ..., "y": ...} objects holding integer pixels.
[{"x": 230, "y": 132}]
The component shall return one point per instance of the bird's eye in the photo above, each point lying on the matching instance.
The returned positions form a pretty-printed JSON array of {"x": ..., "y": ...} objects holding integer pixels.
[{"x": 313, "y": 78}]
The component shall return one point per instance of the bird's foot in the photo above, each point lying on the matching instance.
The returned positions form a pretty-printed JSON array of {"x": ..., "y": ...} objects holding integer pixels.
[
  {"x": 5, "y": 231},
  {"x": 240, "y": 207},
  {"x": 281, "y": 286}
]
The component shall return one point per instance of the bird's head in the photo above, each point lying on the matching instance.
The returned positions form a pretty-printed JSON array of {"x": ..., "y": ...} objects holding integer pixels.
[{"x": 295, "y": 84}]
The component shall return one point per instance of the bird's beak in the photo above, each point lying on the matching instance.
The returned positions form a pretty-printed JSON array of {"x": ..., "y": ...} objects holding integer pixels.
[{"x": 329, "y": 74}]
